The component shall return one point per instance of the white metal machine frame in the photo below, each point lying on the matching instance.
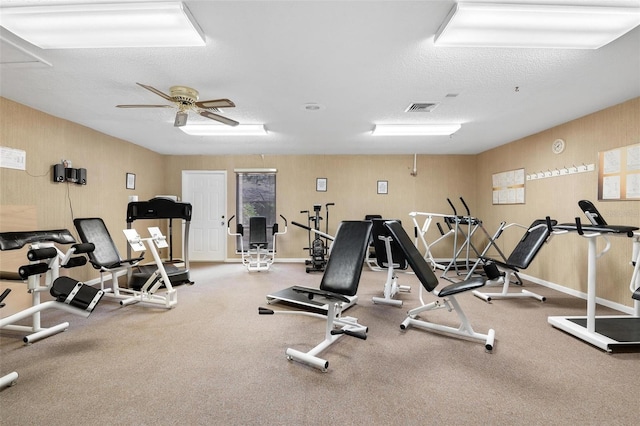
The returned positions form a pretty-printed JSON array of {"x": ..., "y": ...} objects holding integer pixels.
[
  {"x": 259, "y": 258},
  {"x": 589, "y": 332},
  {"x": 36, "y": 286}
]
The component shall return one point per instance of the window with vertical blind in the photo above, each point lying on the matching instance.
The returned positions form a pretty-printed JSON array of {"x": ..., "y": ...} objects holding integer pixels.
[{"x": 255, "y": 196}]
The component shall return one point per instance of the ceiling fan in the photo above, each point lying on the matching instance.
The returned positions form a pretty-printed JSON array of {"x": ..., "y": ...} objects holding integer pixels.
[{"x": 185, "y": 99}]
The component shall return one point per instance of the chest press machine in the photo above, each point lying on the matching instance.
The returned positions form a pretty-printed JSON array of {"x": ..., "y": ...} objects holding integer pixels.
[
  {"x": 605, "y": 332},
  {"x": 258, "y": 256},
  {"x": 339, "y": 283}
]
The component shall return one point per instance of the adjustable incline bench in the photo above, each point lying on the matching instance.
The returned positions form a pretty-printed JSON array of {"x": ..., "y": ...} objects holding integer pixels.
[
  {"x": 430, "y": 282},
  {"x": 45, "y": 261},
  {"x": 520, "y": 258},
  {"x": 340, "y": 280}
]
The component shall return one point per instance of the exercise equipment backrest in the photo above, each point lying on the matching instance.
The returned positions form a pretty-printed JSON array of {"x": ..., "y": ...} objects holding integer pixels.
[
  {"x": 419, "y": 266},
  {"x": 529, "y": 245},
  {"x": 93, "y": 230},
  {"x": 397, "y": 254},
  {"x": 349, "y": 249}
]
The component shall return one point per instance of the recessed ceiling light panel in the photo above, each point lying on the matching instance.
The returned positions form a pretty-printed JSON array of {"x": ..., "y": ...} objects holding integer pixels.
[
  {"x": 102, "y": 25},
  {"x": 415, "y": 129},
  {"x": 205, "y": 129},
  {"x": 535, "y": 25}
]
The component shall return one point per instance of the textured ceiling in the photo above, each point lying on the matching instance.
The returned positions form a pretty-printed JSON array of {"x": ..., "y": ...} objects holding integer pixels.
[{"x": 365, "y": 62}]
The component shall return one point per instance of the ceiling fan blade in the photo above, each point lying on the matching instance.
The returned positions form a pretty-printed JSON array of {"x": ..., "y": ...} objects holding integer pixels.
[
  {"x": 144, "y": 106},
  {"x": 156, "y": 91},
  {"x": 219, "y": 118},
  {"x": 216, "y": 103}
]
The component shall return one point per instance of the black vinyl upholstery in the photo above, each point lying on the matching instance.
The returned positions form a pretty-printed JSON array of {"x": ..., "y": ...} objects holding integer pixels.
[
  {"x": 397, "y": 254},
  {"x": 348, "y": 251},
  {"x": 257, "y": 232},
  {"x": 105, "y": 255},
  {"x": 419, "y": 266},
  {"x": 529, "y": 246},
  {"x": 17, "y": 240}
]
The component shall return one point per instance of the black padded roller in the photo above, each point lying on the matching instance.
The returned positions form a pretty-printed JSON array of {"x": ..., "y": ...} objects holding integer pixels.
[
  {"x": 28, "y": 270},
  {"x": 43, "y": 253},
  {"x": 75, "y": 261},
  {"x": 83, "y": 248}
]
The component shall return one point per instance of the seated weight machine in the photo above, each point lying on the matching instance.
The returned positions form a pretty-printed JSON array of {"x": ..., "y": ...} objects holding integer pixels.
[
  {"x": 339, "y": 283},
  {"x": 258, "y": 256},
  {"x": 43, "y": 275},
  {"x": 318, "y": 246},
  {"x": 107, "y": 260}
]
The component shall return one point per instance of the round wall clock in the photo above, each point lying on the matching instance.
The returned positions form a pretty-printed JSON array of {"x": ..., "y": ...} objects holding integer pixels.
[{"x": 558, "y": 146}]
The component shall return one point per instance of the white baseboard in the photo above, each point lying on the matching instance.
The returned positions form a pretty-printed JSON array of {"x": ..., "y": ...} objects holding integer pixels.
[{"x": 576, "y": 293}]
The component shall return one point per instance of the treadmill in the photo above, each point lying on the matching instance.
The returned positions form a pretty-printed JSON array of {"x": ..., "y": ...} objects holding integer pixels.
[{"x": 162, "y": 208}]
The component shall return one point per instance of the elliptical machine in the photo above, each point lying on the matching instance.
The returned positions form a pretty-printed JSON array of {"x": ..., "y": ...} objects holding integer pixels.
[{"x": 318, "y": 246}]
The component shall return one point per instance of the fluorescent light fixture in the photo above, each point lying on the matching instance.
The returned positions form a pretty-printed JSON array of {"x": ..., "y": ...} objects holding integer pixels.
[
  {"x": 153, "y": 24},
  {"x": 535, "y": 25},
  {"x": 202, "y": 129},
  {"x": 415, "y": 129}
]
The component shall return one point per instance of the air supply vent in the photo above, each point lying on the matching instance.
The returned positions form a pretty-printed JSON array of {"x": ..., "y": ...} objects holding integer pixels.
[{"x": 421, "y": 107}]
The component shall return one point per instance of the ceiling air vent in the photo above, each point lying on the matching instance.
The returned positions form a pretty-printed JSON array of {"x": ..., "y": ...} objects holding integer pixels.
[{"x": 421, "y": 107}]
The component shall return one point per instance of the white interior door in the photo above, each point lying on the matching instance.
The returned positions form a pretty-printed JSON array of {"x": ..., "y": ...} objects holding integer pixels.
[{"x": 206, "y": 191}]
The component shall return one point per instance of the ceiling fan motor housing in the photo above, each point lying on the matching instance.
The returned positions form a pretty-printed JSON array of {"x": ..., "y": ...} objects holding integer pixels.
[{"x": 184, "y": 95}]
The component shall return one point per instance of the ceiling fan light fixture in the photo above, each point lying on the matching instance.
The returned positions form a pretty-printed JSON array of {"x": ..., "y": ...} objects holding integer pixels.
[
  {"x": 104, "y": 25},
  {"x": 534, "y": 25},
  {"x": 181, "y": 119},
  {"x": 415, "y": 129},
  {"x": 205, "y": 129}
]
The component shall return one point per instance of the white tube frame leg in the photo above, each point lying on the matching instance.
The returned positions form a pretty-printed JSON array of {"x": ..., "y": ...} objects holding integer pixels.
[
  {"x": 333, "y": 318},
  {"x": 506, "y": 294},
  {"x": 391, "y": 287},
  {"x": 8, "y": 380},
  {"x": 465, "y": 330}
]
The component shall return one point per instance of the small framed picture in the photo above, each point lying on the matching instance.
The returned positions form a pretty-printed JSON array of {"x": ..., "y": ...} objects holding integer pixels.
[
  {"x": 131, "y": 181},
  {"x": 383, "y": 187},
  {"x": 321, "y": 184}
]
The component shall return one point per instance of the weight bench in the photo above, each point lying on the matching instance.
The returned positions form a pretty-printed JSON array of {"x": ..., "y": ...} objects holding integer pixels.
[
  {"x": 520, "y": 258},
  {"x": 390, "y": 257},
  {"x": 340, "y": 280},
  {"x": 429, "y": 282}
]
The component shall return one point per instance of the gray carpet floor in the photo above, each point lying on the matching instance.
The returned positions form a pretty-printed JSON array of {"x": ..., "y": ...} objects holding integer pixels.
[{"x": 212, "y": 360}]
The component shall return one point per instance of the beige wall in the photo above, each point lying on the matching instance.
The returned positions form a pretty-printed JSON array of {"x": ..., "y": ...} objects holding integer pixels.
[
  {"x": 351, "y": 185},
  {"x": 563, "y": 260},
  {"x": 46, "y": 140}
]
